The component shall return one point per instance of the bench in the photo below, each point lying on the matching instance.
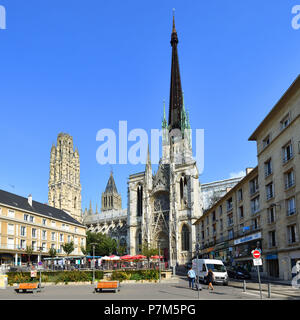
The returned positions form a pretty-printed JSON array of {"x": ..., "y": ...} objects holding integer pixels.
[
  {"x": 107, "y": 285},
  {"x": 24, "y": 287}
]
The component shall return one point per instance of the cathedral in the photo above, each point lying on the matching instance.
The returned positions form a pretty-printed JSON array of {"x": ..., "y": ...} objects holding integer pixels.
[{"x": 163, "y": 208}]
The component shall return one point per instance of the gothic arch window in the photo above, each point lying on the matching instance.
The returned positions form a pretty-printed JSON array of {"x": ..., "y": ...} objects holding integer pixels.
[
  {"x": 75, "y": 200},
  {"x": 139, "y": 201},
  {"x": 183, "y": 191},
  {"x": 185, "y": 238}
]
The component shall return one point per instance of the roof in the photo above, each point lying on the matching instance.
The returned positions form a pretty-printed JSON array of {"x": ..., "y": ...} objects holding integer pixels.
[
  {"x": 290, "y": 91},
  {"x": 111, "y": 185},
  {"x": 13, "y": 200}
]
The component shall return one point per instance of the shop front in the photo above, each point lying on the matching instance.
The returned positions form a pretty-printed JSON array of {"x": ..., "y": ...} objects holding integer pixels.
[
  {"x": 242, "y": 250},
  {"x": 272, "y": 265}
]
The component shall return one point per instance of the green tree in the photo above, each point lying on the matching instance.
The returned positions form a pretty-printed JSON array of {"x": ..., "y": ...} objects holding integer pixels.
[
  {"x": 52, "y": 254},
  {"x": 148, "y": 251},
  {"x": 29, "y": 252},
  {"x": 68, "y": 248},
  {"x": 104, "y": 244}
]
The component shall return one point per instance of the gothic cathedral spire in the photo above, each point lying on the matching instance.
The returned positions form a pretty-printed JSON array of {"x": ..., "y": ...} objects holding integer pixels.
[{"x": 176, "y": 101}]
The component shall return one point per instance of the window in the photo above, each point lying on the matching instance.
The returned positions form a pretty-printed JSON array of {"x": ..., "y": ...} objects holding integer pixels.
[
  {"x": 255, "y": 205},
  {"x": 26, "y": 217},
  {"x": 23, "y": 231},
  {"x": 52, "y": 246},
  {"x": 241, "y": 212},
  {"x": 207, "y": 231},
  {"x": 254, "y": 186},
  {"x": 230, "y": 234},
  {"x": 75, "y": 229},
  {"x": 270, "y": 191},
  {"x": 285, "y": 122},
  {"x": 34, "y": 246},
  {"x": 53, "y": 236},
  {"x": 185, "y": 238},
  {"x": 61, "y": 237},
  {"x": 287, "y": 152},
  {"x": 214, "y": 216},
  {"x": 53, "y": 223},
  {"x": 10, "y": 229},
  {"x": 63, "y": 226},
  {"x": 271, "y": 214},
  {"x": 0, "y": 211},
  {"x": 33, "y": 233},
  {"x": 214, "y": 229},
  {"x": 221, "y": 224},
  {"x": 23, "y": 244},
  {"x": 44, "y": 234},
  {"x": 11, "y": 213},
  {"x": 255, "y": 223},
  {"x": 44, "y": 222},
  {"x": 240, "y": 195},
  {"x": 44, "y": 247},
  {"x": 266, "y": 141},
  {"x": 32, "y": 219},
  {"x": 289, "y": 178},
  {"x": 139, "y": 201},
  {"x": 10, "y": 243},
  {"x": 67, "y": 227},
  {"x": 291, "y": 206},
  {"x": 69, "y": 239},
  {"x": 229, "y": 204},
  {"x": 230, "y": 220},
  {"x": 272, "y": 239},
  {"x": 292, "y": 234},
  {"x": 220, "y": 210},
  {"x": 202, "y": 235},
  {"x": 268, "y": 168}
]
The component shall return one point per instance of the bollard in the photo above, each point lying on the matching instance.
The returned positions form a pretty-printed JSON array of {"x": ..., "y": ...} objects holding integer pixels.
[
  {"x": 269, "y": 290},
  {"x": 244, "y": 286}
]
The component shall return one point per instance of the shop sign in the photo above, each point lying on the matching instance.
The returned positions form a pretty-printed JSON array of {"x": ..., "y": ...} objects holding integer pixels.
[
  {"x": 272, "y": 257},
  {"x": 248, "y": 238}
]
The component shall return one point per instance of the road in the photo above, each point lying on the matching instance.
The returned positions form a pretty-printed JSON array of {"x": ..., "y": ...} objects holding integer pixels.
[{"x": 163, "y": 291}]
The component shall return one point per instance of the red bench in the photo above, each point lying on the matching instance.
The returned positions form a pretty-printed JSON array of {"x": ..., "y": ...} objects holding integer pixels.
[
  {"x": 107, "y": 285},
  {"x": 24, "y": 287}
]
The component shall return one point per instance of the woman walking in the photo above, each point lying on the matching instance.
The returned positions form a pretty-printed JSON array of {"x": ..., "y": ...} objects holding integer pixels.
[{"x": 210, "y": 279}]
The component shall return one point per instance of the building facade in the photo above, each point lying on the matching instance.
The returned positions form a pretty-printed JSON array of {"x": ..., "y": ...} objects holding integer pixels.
[
  {"x": 162, "y": 208},
  {"x": 278, "y": 152},
  {"x": 64, "y": 188},
  {"x": 262, "y": 210},
  {"x": 24, "y": 222}
]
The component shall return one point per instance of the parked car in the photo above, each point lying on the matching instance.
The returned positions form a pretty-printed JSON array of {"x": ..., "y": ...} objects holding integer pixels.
[{"x": 238, "y": 273}]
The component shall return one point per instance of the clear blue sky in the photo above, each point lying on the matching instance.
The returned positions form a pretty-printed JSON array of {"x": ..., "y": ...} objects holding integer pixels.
[{"x": 80, "y": 66}]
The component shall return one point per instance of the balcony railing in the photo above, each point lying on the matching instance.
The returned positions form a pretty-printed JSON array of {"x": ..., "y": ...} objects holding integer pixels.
[
  {"x": 270, "y": 195},
  {"x": 287, "y": 157}
]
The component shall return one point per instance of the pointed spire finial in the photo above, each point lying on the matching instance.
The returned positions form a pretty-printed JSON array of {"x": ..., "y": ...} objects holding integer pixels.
[{"x": 174, "y": 29}]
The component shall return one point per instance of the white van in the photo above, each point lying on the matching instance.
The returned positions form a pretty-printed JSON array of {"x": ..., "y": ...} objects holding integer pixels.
[{"x": 217, "y": 268}]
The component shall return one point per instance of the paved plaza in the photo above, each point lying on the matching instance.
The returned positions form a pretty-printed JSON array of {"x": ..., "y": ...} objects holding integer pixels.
[{"x": 155, "y": 291}]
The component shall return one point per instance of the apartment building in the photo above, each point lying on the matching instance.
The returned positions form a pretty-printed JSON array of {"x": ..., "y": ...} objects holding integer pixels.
[
  {"x": 278, "y": 152},
  {"x": 24, "y": 222},
  {"x": 231, "y": 228},
  {"x": 262, "y": 210}
]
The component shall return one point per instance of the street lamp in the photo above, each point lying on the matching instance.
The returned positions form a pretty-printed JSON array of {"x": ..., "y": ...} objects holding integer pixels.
[
  {"x": 159, "y": 263},
  {"x": 198, "y": 278},
  {"x": 93, "y": 245}
]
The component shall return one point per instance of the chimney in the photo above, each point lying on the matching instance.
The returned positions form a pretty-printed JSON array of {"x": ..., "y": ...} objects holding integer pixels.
[
  {"x": 30, "y": 200},
  {"x": 248, "y": 170}
]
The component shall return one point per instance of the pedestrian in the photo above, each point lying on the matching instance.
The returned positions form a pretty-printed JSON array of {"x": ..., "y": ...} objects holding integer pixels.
[
  {"x": 192, "y": 277},
  {"x": 210, "y": 279}
]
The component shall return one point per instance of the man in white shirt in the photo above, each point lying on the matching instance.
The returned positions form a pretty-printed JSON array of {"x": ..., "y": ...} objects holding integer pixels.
[{"x": 192, "y": 277}]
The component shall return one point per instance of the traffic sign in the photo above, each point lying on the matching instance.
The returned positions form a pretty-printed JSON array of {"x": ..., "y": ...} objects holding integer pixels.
[
  {"x": 257, "y": 262},
  {"x": 256, "y": 254}
]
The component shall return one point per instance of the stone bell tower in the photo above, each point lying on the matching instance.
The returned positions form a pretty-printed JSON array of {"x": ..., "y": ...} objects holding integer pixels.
[{"x": 64, "y": 188}]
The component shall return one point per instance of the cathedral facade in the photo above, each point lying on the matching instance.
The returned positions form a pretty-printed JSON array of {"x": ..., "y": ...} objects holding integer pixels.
[{"x": 163, "y": 208}]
